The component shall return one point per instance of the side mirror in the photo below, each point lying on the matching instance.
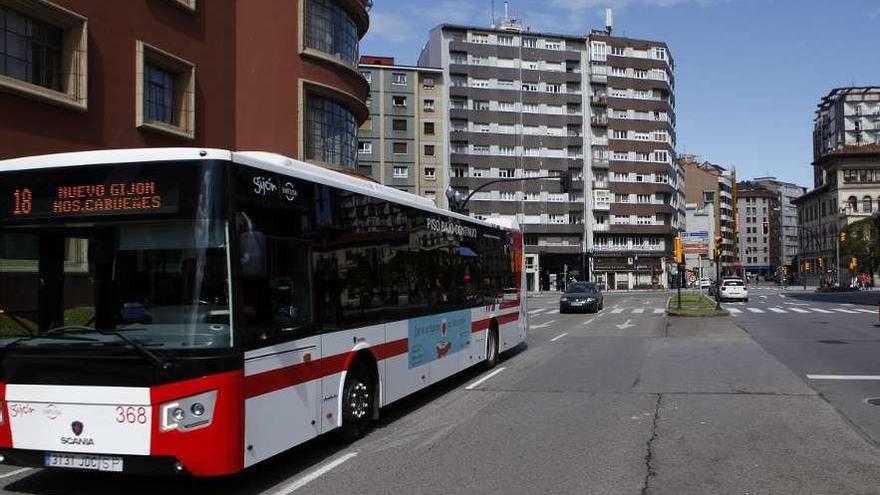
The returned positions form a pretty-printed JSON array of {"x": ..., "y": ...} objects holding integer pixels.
[{"x": 253, "y": 255}]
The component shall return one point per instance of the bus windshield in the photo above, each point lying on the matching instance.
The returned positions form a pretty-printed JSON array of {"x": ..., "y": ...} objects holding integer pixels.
[
  {"x": 138, "y": 249},
  {"x": 165, "y": 284}
]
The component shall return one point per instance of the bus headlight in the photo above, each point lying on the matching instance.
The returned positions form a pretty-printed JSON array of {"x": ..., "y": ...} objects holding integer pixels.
[{"x": 189, "y": 413}]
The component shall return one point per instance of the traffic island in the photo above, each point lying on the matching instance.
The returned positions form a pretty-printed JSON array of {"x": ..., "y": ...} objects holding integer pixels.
[{"x": 694, "y": 305}]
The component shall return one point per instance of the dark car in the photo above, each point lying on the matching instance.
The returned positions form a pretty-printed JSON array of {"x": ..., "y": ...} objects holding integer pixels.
[{"x": 581, "y": 296}]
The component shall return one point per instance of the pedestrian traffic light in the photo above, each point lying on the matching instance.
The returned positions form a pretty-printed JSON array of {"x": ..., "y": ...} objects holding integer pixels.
[
  {"x": 842, "y": 236},
  {"x": 677, "y": 251}
]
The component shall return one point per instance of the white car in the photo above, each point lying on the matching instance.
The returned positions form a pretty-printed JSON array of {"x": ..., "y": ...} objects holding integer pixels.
[
  {"x": 705, "y": 283},
  {"x": 734, "y": 288}
]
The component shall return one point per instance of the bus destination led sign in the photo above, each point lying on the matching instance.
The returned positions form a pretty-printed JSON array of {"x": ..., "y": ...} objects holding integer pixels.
[{"x": 115, "y": 198}]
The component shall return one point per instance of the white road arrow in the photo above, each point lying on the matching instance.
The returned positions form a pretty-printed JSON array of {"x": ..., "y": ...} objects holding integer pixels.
[{"x": 625, "y": 325}]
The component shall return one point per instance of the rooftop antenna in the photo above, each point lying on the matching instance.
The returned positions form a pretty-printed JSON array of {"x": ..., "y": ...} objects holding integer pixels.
[
  {"x": 492, "y": 13},
  {"x": 609, "y": 20},
  {"x": 509, "y": 23}
]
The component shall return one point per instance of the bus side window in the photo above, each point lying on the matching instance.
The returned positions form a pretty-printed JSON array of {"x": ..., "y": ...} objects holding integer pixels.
[{"x": 279, "y": 307}]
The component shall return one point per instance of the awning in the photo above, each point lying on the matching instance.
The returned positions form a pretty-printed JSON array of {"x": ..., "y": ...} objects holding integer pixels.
[{"x": 466, "y": 251}]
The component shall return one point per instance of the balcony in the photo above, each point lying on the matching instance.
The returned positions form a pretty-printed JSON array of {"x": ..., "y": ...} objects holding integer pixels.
[
  {"x": 600, "y": 162},
  {"x": 600, "y": 141},
  {"x": 599, "y": 99},
  {"x": 601, "y": 206},
  {"x": 601, "y": 227},
  {"x": 599, "y": 120},
  {"x": 600, "y": 184}
]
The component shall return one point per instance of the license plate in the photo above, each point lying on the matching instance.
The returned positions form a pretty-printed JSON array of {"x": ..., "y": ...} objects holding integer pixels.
[
  {"x": 84, "y": 461},
  {"x": 577, "y": 303}
]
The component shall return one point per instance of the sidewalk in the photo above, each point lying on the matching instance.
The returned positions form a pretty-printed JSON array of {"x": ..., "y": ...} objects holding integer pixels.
[{"x": 731, "y": 418}]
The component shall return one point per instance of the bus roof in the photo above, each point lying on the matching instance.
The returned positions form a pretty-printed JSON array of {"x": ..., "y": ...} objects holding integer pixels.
[{"x": 270, "y": 162}]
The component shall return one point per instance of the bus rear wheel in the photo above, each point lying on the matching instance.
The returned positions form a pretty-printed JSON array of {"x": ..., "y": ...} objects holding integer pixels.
[
  {"x": 358, "y": 398},
  {"x": 492, "y": 347}
]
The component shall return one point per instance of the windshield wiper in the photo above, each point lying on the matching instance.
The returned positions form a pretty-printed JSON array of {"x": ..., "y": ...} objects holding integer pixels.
[
  {"x": 60, "y": 332},
  {"x": 59, "y": 336}
]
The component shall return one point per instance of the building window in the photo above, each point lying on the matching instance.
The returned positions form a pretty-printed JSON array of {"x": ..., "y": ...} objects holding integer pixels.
[
  {"x": 368, "y": 76},
  {"x": 618, "y": 51},
  {"x": 428, "y": 106},
  {"x": 166, "y": 93},
  {"x": 530, "y": 42},
  {"x": 867, "y": 204},
  {"x": 398, "y": 125},
  {"x": 530, "y": 86},
  {"x": 401, "y": 172},
  {"x": 430, "y": 173},
  {"x": 330, "y": 132},
  {"x": 331, "y": 30},
  {"x": 428, "y": 82},
  {"x": 43, "y": 53},
  {"x": 398, "y": 101},
  {"x": 398, "y": 79},
  {"x": 505, "y": 40},
  {"x": 365, "y": 148},
  {"x": 429, "y": 150},
  {"x": 429, "y": 128}
]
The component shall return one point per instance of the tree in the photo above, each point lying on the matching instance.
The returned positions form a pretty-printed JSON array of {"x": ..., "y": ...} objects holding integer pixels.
[{"x": 861, "y": 244}]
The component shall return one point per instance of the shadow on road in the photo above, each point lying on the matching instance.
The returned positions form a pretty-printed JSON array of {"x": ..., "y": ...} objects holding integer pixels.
[{"x": 258, "y": 479}]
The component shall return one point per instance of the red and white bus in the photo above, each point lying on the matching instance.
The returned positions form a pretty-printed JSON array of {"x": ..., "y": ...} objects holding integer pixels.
[{"x": 199, "y": 311}]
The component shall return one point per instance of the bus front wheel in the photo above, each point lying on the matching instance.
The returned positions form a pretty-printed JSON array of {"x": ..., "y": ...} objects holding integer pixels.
[{"x": 358, "y": 397}]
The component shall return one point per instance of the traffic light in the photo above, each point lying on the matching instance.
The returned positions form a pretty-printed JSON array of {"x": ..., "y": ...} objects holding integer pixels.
[
  {"x": 677, "y": 251},
  {"x": 807, "y": 266},
  {"x": 853, "y": 263},
  {"x": 717, "y": 251},
  {"x": 842, "y": 236},
  {"x": 821, "y": 262}
]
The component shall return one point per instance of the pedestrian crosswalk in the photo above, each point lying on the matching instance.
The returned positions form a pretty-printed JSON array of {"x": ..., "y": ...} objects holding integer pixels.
[{"x": 733, "y": 309}]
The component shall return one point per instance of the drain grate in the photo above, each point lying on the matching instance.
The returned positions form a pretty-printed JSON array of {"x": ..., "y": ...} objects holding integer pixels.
[
  {"x": 873, "y": 401},
  {"x": 832, "y": 342}
]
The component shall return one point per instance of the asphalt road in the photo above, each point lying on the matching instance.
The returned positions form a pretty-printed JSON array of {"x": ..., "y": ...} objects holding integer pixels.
[{"x": 628, "y": 401}]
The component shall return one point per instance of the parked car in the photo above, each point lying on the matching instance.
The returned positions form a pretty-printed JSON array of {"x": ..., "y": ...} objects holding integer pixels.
[
  {"x": 582, "y": 296},
  {"x": 705, "y": 283},
  {"x": 734, "y": 288}
]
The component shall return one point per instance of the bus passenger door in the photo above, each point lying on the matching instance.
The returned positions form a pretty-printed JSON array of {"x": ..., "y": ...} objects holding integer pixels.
[{"x": 282, "y": 367}]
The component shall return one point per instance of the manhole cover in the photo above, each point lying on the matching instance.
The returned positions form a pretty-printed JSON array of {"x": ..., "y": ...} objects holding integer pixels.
[
  {"x": 832, "y": 342},
  {"x": 873, "y": 401}
]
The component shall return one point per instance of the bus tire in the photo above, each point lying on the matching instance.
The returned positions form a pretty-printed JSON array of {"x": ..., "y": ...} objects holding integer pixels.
[
  {"x": 358, "y": 399},
  {"x": 492, "y": 346}
]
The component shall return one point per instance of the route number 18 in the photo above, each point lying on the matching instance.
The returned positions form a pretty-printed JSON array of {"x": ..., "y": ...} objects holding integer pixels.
[{"x": 23, "y": 199}]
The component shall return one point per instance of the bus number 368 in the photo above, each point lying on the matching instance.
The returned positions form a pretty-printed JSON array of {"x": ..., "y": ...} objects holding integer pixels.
[{"x": 131, "y": 415}]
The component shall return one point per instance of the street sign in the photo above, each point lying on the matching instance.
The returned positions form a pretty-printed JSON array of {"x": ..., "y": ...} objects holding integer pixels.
[
  {"x": 692, "y": 278},
  {"x": 696, "y": 242}
]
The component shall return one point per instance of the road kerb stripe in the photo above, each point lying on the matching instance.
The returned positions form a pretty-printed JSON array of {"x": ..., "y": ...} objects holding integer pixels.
[
  {"x": 483, "y": 379},
  {"x": 798, "y": 310},
  {"x": 862, "y": 310},
  {"x": 844, "y": 310},
  {"x": 820, "y": 310}
]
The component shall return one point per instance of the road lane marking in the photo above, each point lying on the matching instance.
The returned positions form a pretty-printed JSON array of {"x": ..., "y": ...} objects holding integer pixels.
[
  {"x": 843, "y": 310},
  {"x": 755, "y": 310},
  {"x": 734, "y": 311},
  {"x": 544, "y": 325},
  {"x": 820, "y": 310},
  {"x": 625, "y": 325},
  {"x": 843, "y": 377},
  {"x": 303, "y": 481},
  {"x": 10, "y": 474},
  {"x": 616, "y": 311},
  {"x": 862, "y": 310},
  {"x": 658, "y": 311},
  {"x": 483, "y": 379},
  {"x": 778, "y": 310},
  {"x": 553, "y": 311},
  {"x": 638, "y": 311},
  {"x": 589, "y": 321},
  {"x": 798, "y": 310},
  {"x": 554, "y": 339},
  {"x": 536, "y": 311}
]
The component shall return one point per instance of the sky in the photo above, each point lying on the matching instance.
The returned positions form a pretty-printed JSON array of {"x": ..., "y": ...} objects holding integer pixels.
[{"x": 749, "y": 73}]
